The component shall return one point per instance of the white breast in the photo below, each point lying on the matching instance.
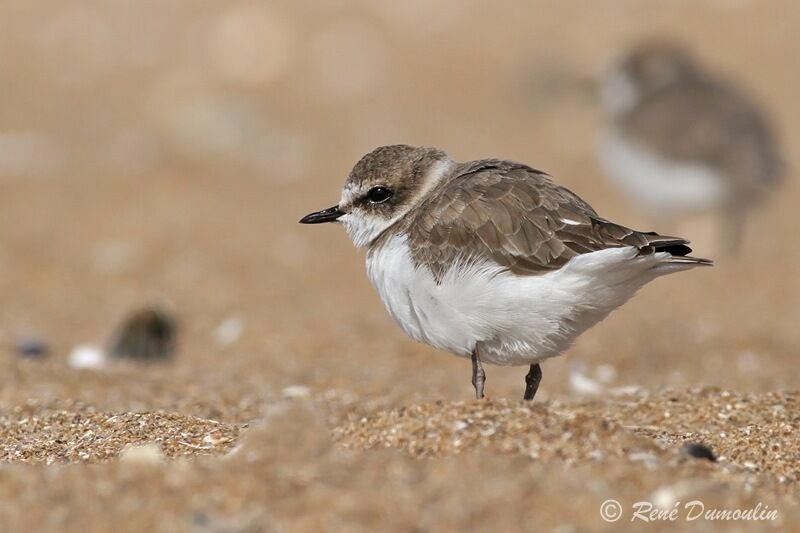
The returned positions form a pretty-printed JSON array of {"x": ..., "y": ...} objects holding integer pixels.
[
  {"x": 664, "y": 187},
  {"x": 514, "y": 320}
]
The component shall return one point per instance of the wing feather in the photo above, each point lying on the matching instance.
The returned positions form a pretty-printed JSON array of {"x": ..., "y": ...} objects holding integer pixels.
[{"x": 517, "y": 217}]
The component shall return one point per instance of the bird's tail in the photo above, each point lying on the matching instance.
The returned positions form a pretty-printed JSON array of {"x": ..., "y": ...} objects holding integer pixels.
[{"x": 677, "y": 248}]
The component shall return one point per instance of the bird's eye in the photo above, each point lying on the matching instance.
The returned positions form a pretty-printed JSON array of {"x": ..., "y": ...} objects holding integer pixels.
[{"x": 378, "y": 195}]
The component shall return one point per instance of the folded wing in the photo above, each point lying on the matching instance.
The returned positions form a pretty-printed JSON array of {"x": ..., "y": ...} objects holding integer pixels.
[{"x": 517, "y": 217}]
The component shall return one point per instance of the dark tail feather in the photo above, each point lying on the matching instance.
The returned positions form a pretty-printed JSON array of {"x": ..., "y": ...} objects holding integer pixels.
[{"x": 678, "y": 248}]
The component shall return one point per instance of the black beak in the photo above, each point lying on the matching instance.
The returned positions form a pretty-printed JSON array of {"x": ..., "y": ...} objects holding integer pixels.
[{"x": 326, "y": 215}]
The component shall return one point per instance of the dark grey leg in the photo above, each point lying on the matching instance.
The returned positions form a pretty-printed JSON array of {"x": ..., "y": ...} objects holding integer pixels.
[
  {"x": 478, "y": 375},
  {"x": 532, "y": 381}
]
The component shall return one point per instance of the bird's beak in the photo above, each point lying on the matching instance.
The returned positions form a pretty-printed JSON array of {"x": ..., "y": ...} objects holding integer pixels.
[{"x": 326, "y": 215}]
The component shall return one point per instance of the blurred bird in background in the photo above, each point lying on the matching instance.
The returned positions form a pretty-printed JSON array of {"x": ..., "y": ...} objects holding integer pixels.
[{"x": 681, "y": 141}]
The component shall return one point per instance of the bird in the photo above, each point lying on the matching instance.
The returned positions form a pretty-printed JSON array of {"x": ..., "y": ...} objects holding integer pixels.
[
  {"x": 490, "y": 259},
  {"x": 681, "y": 141}
]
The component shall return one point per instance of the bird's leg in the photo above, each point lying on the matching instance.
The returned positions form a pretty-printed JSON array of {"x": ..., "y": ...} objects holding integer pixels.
[
  {"x": 478, "y": 375},
  {"x": 532, "y": 381}
]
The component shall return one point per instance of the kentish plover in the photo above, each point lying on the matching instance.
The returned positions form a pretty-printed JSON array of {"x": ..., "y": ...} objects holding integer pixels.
[
  {"x": 681, "y": 141},
  {"x": 490, "y": 259}
]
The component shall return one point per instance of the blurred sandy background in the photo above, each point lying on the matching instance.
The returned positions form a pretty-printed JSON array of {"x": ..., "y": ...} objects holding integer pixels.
[{"x": 164, "y": 151}]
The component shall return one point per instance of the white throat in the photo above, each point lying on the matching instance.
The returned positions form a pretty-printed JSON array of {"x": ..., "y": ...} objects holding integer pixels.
[{"x": 363, "y": 230}]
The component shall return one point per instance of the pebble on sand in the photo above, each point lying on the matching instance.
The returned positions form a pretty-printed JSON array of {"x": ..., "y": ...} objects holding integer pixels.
[
  {"x": 87, "y": 357},
  {"x": 698, "y": 451},
  {"x": 296, "y": 391},
  {"x": 582, "y": 383},
  {"x": 149, "y": 334},
  {"x": 229, "y": 331},
  {"x": 32, "y": 348},
  {"x": 142, "y": 454}
]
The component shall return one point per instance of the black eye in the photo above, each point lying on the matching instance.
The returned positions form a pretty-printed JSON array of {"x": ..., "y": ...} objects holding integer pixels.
[{"x": 377, "y": 195}]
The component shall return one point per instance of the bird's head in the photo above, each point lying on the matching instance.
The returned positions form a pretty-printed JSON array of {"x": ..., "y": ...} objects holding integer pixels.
[
  {"x": 644, "y": 69},
  {"x": 384, "y": 186}
]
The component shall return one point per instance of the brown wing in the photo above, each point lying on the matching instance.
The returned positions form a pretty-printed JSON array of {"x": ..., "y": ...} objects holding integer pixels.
[
  {"x": 515, "y": 216},
  {"x": 707, "y": 122}
]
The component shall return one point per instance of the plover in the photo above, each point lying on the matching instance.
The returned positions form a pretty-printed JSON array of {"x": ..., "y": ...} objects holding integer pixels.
[
  {"x": 682, "y": 141},
  {"x": 491, "y": 259}
]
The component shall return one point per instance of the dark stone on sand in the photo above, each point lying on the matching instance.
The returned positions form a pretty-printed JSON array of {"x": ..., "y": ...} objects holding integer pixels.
[
  {"x": 698, "y": 451},
  {"x": 32, "y": 348},
  {"x": 146, "y": 335}
]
